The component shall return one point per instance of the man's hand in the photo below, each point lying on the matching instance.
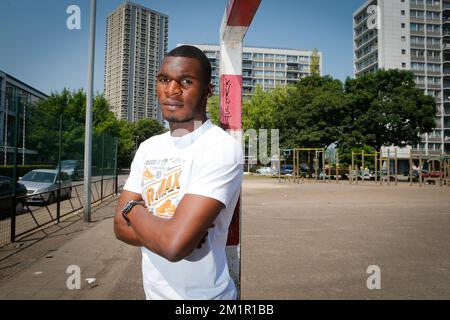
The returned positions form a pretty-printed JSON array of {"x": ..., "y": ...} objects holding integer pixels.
[{"x": 122, "y": 230}]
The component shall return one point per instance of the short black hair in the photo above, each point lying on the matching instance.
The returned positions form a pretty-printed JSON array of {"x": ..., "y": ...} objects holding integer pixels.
[{"x": 194, "y": 53}]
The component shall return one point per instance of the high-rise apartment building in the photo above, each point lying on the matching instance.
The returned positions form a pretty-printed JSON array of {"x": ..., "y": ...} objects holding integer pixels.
[
  {"x": 409, "y": 35},
  {"x": 136, "y": 42},
  {"x": 266, "y": 67}
]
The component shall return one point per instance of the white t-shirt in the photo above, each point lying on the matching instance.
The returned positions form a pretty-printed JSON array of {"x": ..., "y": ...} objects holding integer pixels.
[{"x": 206, "y": 162}]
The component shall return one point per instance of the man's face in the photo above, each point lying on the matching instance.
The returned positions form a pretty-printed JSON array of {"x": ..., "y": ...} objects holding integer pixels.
[{"x": 182, "y": 90}]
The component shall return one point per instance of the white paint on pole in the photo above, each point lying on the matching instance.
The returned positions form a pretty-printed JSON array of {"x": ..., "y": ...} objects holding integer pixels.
[{"x": 236, "y": 20}]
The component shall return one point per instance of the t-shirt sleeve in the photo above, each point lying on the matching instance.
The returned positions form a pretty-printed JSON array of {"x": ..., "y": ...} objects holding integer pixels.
[
  {"x": 134, "y": 181},
  {"x": 217, "y": 172}
]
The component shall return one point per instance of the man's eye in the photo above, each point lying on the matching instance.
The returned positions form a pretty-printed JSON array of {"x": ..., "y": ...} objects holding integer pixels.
[
  {"x": 186, "y": 82},
  {"x": 163, "y": 79}
]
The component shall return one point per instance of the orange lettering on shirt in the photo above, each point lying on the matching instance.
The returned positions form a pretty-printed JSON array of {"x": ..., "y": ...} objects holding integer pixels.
[
  {"x": 161, "y": 190},
  {"x": 150, "y": 196},
  {"x": 168, "y": 187},
  {"x": 176, "y": 183}
]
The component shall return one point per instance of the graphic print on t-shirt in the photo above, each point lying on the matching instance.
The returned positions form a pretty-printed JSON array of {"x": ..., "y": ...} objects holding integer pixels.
[{"x": 161, "y": 186}]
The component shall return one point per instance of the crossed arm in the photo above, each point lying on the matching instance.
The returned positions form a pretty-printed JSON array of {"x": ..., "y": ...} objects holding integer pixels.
[{"x": 173, "y": 239}]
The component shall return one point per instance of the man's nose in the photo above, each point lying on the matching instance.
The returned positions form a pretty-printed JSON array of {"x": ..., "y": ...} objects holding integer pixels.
[{"x": 173, "y": 88}]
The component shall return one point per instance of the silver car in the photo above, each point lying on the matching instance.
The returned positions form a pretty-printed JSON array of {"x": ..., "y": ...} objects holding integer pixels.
[{"x": 42, "y": 185}]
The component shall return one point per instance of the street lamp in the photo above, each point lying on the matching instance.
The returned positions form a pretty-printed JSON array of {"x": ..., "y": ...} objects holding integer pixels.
[{"x": 88, "y": 129}]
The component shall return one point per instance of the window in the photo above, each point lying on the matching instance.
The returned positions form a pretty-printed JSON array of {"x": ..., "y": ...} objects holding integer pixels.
[
  {"x": 403, "y": 39},
  {"x": 403, "y": 51},
  {"x": 403, "y": 26},
  {"x": 433, "y": 41},
  {"x": 434, "y": 67},
  {"x": 417, "y": 40},
  {"x": 417, "y": 14},
  {"x": 416, "y": 26},
  {"x": 416, "y": 66},
  {"x": 417, "y": 53},
  {"x": 403, "y": 12},
  {"x": 433, "y": 28},
  {"x": 433, "y": 15},
  {"x": 403, "y": 64}
]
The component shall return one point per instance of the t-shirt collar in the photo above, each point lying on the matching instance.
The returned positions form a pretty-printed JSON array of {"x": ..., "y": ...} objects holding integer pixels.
[{"x": 191, "y": 137}]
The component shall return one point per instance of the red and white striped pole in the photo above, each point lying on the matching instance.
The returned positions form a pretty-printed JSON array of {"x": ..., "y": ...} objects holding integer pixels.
[{"x": 236, "y": 21}]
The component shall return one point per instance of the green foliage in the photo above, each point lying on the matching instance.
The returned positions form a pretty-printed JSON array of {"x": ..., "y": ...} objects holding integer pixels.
[
  {"x": 378, "y": 109},
  {"x": 315, "y": 63},
  {"x": 213, "y": 110},
  {"x": 70, "y": 107},
  {"x": 386, "y": 108}
]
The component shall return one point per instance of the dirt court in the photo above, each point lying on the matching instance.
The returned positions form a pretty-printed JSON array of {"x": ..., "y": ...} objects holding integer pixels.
[{"x": 317, "y": 240}]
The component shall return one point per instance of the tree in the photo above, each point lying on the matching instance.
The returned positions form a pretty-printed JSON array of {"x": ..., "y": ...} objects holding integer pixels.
[
  {"x": 315, "y": 63},
  {"x": 311, "y": 113},
  {"x": 146, "y": 128},
  {"x": 213, "y": 109},
  {"x": 386, "y": 108}
]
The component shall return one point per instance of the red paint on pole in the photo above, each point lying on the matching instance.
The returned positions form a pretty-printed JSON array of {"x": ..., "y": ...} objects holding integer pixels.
[
  {"x": 240, "y": 13},
  {"x": 231, "y": 102}
]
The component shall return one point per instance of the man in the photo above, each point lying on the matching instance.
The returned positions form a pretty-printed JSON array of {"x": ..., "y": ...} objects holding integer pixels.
[{"x": 179, "y": 199}]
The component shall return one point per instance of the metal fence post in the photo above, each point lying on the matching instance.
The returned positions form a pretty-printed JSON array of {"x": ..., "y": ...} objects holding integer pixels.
[
  {"x": 14, "y": 177},
  {"x": 103, "y": 151},
  {"x": 116, "y": 167},
  {"x": 58, "y": 203}
]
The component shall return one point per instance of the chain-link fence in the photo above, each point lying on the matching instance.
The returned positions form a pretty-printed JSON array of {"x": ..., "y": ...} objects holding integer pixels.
[{"x": 42, "y": 165}]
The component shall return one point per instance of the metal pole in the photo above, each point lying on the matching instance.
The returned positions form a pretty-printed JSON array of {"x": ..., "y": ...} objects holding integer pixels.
[
  {"x": 337, "y": 166},
  {"x": 364, "y": 169},
  {"x": 410, "y": 168},
  {"x": 103, "y": 151},
  {"x": 376, "y": 166},
  {"x": 279, "y": 166},
  {"x": 396, "y": 167},
  {"x": 14, "y": 177},
  {"x": 388, "y": 171},
  {"x": 58, "y": 203},
  {"x": 420, "y": 168},
  {"x": 88, "y": 129},
  {"x": 353, "y": 165},
  {"x": 6, "y": 131},
  {"x": 115, "y": 167}
]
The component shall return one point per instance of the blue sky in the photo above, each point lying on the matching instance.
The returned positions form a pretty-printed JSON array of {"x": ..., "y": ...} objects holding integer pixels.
[{"x": 37, "y": 47}]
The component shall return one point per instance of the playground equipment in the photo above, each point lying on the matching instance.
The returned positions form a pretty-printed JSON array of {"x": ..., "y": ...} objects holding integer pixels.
[
  {"x": 386, "y": 174},
  {"x": 437, "y": 168},
  {"x": 307, "y": 163},
  {"x": 361, "y": 174},
  {"x": 310, "y": 152}
]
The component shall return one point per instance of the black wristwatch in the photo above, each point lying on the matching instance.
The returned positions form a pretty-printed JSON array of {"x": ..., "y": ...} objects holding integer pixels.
[{"x": 127, "y": 208}]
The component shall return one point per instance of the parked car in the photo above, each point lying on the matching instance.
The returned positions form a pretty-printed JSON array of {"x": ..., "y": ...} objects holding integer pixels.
[
  {"x": 285, "y": 169},
  {"x": 74, "y": 168},
  {"x": 264, "y": 171},
  {"x": 7, "y": 197},
  {"x": 42, "y": 185}
]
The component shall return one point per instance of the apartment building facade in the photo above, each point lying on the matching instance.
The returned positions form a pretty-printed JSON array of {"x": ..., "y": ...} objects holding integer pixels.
[
  {"x": 266, "y": 67},
  {"x": 16, "y": 97},
  {"x": 409, "y": 35},
  {"x": 136, "y": 42}
]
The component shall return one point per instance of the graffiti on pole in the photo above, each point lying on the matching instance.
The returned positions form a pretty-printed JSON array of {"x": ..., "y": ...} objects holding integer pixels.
[{"x": 231, "y": 99}]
